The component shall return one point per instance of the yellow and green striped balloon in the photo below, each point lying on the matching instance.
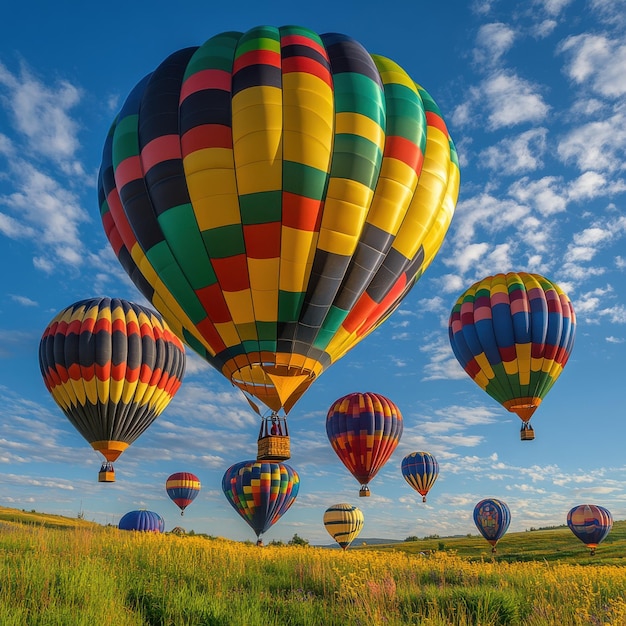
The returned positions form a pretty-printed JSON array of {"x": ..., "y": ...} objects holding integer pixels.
[{"x": 275, "y": 194}]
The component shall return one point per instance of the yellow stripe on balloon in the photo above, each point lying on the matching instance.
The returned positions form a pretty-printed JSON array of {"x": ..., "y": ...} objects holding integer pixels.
[
  {"x": 429, "y": 194},
  {"x": 257, "y": 118},
  {"x": 308, "y": 118}
]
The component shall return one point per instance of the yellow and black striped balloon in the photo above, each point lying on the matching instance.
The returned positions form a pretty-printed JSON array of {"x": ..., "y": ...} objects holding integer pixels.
[
  {"x": 275, "y": 194},
  {"x": 343, "y": 522},
  {"x": 112, "y": 366}
]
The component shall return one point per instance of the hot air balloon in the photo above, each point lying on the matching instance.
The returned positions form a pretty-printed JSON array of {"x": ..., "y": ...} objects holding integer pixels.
[
  {"x": 112, "y": 366},
  {"x": 182, "y": 488},
  {"x": 275, "y": 194},
  {"x": 364, "y": 430},
  {"x": 261, "y": 492},
  {"x": 492, "y": 518},
  {"x": 343, "y": 523},
  {"x": 513, "y": 334},
  {"x": 147, "y": 521},
  {"x": 420, "y": 470},
  {"x": 590, "y": 523}
]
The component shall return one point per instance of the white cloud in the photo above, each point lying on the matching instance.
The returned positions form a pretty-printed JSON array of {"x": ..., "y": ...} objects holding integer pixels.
[
  {"x": 512, "y": 100},
  {"x": 552, "y": 7},
  {"x": 492, "y": 41},
  {"x": 23, "y": 300},
  {"x": 547, "y": 195},
  {"x": 48, "y": 212},
  {"x": 612, "y": 339},
  {"x": 42, "y": 114},
  {"x": 514, "y": 155},
  {"x": 598, "y": 145},
  {"x": 597, "y": 62}
]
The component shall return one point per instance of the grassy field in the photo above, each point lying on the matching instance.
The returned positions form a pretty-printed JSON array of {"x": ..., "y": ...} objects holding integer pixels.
[{"x": 58, "y": 571}]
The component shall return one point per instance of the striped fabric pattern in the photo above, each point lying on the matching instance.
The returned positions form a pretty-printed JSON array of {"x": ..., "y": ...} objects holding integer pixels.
[
  {"x": 112, "y": 366},
  {"x": 420, "y": 470},
  {"x": 590, "y": 523},
  {"x": 182, "y": 488},
  {"x": 364, "y": 429},
  {"x": 275, "y": 194},
  {"x": 343, "y": 522},
  {"x": 513, "y": 334}
]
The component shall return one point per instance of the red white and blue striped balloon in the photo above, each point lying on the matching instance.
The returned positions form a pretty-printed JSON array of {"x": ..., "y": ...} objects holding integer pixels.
[{"x": 182, "y": 488}]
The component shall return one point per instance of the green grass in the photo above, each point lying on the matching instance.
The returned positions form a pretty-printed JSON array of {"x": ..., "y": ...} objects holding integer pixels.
[
  {"x": 57, "y": 571},
  {"x": 551, "y": 545}
]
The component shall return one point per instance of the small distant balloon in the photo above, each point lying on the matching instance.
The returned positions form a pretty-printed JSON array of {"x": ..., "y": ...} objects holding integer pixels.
[
  {"x": 420, "y": 470},
  {"x": 142, "y": 520},
  {"x": 182, "y": 488},
  {"x": 343, "y": 522},
  {"x": 590, "y": 523},
  {"x": 364, "y": 430},
  {"x": 492, "y": 518}
]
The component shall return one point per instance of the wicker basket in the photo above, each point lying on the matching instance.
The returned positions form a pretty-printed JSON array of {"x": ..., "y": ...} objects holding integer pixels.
[
  {"x": 273, "y": 448},
  {"x": 527, "y": 434}
]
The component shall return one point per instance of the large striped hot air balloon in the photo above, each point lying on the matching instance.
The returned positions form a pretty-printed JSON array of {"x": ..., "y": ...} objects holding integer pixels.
[
  {"x": 343, "y": 522},
  {"x": 275, "y": 194},
  {"x": 513, "y": 334},
  {"x": 492, "y": 518},
  {"x": 420, "y": 470},
  {"x": 182, "y": 488},
  {"x": 590, "y": 523},
  {"x": 261, "y": 492},
  {"x": 364, "y": 430},
  {"x": 112, "y": 366}
]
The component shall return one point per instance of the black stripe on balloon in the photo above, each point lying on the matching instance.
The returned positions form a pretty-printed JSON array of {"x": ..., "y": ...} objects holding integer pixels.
[
  {"x": 326, "y": 275},
  {"x": 368, "y": 256},
  {"x": 158, "y": 114},
  {"x": 394, "y": 266},
  {"x": 140, "y": 214},
  {"x": 167, "y": 185},
  {"x": 348, "y": 55},
  {"x": 257, "y": 75},
  {"x": 209, "y": 106},
  {"x": 300, "y": 50}
]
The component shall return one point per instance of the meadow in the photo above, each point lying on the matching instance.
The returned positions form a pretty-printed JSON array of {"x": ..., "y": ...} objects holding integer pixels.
[{"x": 58, "y": 571}]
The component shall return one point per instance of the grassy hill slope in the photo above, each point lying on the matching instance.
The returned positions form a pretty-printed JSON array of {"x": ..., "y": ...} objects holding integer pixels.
[{"x": 555, "y": 544}]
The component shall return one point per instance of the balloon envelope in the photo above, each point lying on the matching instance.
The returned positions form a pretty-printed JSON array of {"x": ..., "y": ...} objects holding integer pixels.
[
  {"x": 182, "y": 488},
  {"x": 260, "y": 491},
  {"x": 513, "y": 334},
  {"x": 343, "y": 522},
  {"x": 420, "y": 470},
  {"x": 275, "y": 194},
  {"x": 590, "y": 523},
  {"x": 142, "y": 520},
  {"x": 364, "y": 430},
  {"x": 492, "y": 518},
  {"x": 112, "y": 366}
]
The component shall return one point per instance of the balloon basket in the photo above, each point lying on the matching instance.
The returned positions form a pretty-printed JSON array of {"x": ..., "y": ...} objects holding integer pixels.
[
  {"x": 527, "y": 433},
  {"x": 106, "y": 476},
  {"x": 273, "y": 442},
  {"x": 273, "y": 448},
  {"x": 364, "y": 492}
]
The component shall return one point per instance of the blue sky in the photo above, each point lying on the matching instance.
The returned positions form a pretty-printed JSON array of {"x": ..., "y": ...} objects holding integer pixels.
[{"x": 533, "y": 94}]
